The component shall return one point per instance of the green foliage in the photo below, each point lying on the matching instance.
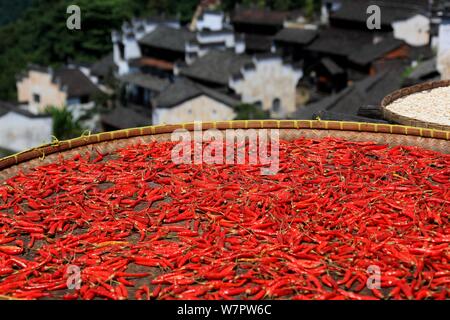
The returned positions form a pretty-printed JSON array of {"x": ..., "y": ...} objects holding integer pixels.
[
  {"x": 5, "y": 153},
  {"x": 246, "y": 111},
  {"x": 182, "y": 9},
  {"x": 101, "y": 99},
  {"x": 10, "y": 10},
  {"x": 64, "y": 126},
  {"x": 257, "y": 3},
  {"x": 407, "y": 72},
  {"x": 40, "y": 36},
  {"x": 310, "y": 8},
  {"x": 281, "y": 4}
]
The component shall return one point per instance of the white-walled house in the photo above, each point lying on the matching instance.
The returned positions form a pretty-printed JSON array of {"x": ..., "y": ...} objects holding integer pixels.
[
  {"x": 264, "y": 80},
  {"x": 210, "y": 20},
  {"x": 415, "y": 30},
  {"x": 39, "y": 87},
  {"x": 206, "y": 40},
  {"x": 213, "y": 32},
  {"x": 186, "y": 101},
  {"x": 21, "y": 130},
  {"x": 158, "y": 44},
  {"x": 408, "y": 19},
  {"x": 270, "y": 82},
  {"x": 126, "y": 41}
]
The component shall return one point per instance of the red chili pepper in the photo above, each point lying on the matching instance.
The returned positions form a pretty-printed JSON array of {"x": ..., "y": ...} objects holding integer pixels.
[
  {"x": 12, "y": 250},
  {"x": 6, "y": 271},
  {"x": 6, "y": 240}
]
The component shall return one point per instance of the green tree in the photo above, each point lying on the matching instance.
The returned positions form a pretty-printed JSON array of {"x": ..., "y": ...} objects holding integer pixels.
[
  {"x": 246, "y": 111},
  {"x": 64, "y": 126},
  {"x": 281, "y": 4},
  {"x": 257, "y": 3},
  {"x": 310, "y": 7},
  {"x": 40, "y": 36}
]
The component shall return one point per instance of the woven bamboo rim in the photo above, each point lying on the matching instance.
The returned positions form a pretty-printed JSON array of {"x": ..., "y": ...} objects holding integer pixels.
[
  {"x": 408, "y": 121},
  {"x": 438, "y": 140}
]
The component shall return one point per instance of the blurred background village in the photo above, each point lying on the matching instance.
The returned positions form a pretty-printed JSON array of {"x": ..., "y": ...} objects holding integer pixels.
[{"x": 146, "y": 62}]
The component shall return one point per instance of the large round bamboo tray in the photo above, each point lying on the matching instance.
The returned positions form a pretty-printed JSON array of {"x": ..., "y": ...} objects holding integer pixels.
[
  {"x": 392, "y": 135},
  {"x": 438, "y": 140},
  {"x": 408, "y": 121}
]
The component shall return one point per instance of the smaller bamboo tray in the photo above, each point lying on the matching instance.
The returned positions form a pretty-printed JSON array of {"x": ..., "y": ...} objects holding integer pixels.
[{"x": 407, "y": 121}]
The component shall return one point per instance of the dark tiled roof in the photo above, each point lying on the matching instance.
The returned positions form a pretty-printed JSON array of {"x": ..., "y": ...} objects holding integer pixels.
[
  {"x": 421, "y": 53},
  {"x": 369, "y": 91},
  {"x": 343, "y": 42},
  {"x": 162, "y": 19},
  {"x": 6, "y": 107},
  {"x": 371, "y": 52},
  {"x": 76, "y": 82},
  {"x": 383, "y": 84},
  {"x": 296, "y": 36},
  {"x": 168, "y": 38},
  {"x": 104, "y": 66},
  {"x": 32, "y": 67},
  {"x": 260, "y": 43},
  {"x": 79, "y": 64},
  {"x": 216, "y": 67},
  {"x": 183, "y": 90},
  {"x": 146, "y": 81},
  {"x": 424, "y": 69},
  {"x": 127, "y": 117},
  {"x": 259, "y": 16},
  {"x": 215, "y": 32},
  {"x": 391, "y": 10},
  {"x": 331, "y": 66},
  {"x": 151, "y": 62}
]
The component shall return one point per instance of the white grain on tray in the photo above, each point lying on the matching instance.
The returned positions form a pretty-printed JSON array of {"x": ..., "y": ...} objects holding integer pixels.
[{"x": 429, "y": 106}]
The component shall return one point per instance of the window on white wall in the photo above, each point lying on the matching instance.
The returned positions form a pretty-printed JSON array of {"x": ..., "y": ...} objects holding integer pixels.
[
  {"x": 36, "y": 98},
  {"x": 276, "y": 105}
]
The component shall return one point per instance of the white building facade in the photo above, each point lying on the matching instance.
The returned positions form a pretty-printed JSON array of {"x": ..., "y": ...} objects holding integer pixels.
[
  {"x": 19, "y": 132},
  {"x": 280, "y": 96},
  {"x": 201, "y": 108},
  {"x": 415, "y": 31}
]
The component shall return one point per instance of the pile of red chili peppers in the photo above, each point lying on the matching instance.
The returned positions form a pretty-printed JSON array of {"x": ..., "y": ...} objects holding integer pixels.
[{"x": 139, "y": 226}]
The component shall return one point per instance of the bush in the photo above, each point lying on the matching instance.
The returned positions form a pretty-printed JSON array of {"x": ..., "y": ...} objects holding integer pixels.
[
  {"x": 246, "y": 111},
  {"x": 64, "y": 126}
]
